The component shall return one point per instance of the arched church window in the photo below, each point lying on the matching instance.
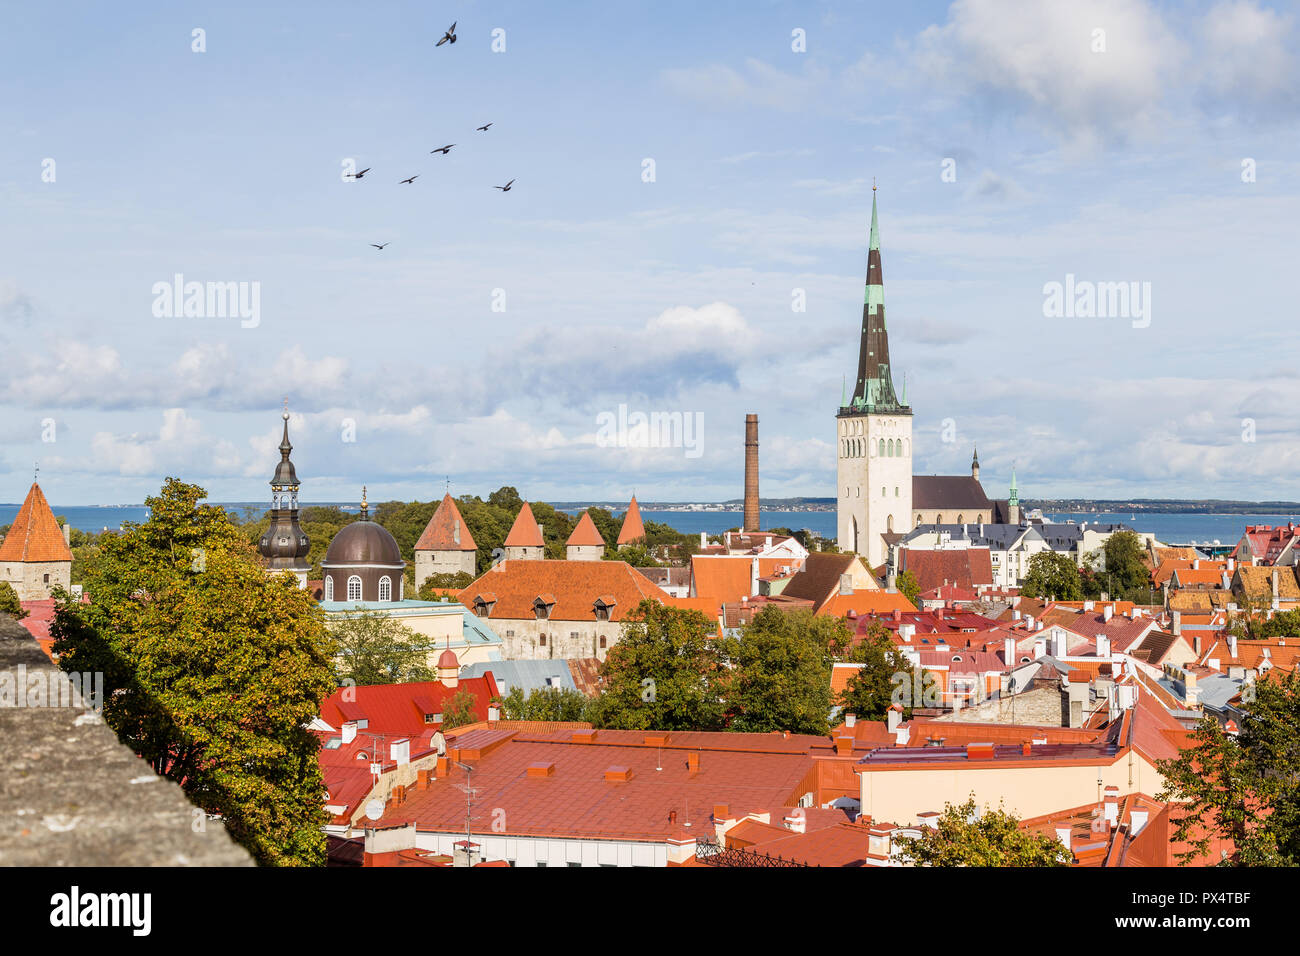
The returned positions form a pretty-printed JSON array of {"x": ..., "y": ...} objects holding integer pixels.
[
  {"x": 385, "y": 588},
  {"x": 891, "y": 448},
  {"x": 961, "y": 519},
  {"x": 889, "y": 524},
  {"x": 329, "y": 587},
  {"x": 354, "y": 588},
  {"x": 882, "y": 448}
]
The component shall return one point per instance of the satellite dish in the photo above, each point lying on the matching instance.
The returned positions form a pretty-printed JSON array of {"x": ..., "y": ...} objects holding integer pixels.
[{"x": 374, "y": 810}]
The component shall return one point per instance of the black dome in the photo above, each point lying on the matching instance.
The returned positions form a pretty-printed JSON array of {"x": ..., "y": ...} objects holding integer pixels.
[{"x": 364, "y": 542}]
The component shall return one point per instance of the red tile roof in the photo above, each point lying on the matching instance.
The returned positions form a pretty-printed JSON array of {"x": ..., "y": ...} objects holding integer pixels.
[
  {"x": 633, "y": 530},
  {"x": 34, "y": 535},
  {"x": 525, "y": 533},
  {"x": 399, "y": 709},
  {"x": 966, "y": 567},
  {"x": 574, "y": 585},
  {"x": 440, "y": 533},
  {"x": 585, "y": 533}
]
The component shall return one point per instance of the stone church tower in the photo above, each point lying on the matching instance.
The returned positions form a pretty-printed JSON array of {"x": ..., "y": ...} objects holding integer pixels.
[
  {"x": 284, "y": 546},
  {"x": 874, "y": 489}
]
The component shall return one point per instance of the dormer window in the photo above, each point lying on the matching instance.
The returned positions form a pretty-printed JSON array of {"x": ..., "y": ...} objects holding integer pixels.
[
  {"x": 604, "y": 606},
  {"x": 542, "y": 605}
]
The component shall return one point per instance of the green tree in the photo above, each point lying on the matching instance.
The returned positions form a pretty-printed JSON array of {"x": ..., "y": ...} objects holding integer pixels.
[
  {"x": 665, "y": 673},
  {"x": 780, "y": 677},
  {"x": 910, "y": 587},
  {"x": 1052, "y": 576},
  {"x": 212, "y": 670},
  {"x": 458, "y": 710},
  {"x": 1244, "y": 787},
  {"x": 377, "y": 649},
  {"x": 885, "y": 670},
  {"x": 545, "y": 703},
  {"x": 967, "y": 837},
  {"x": 635, "y": 555},
  {"x": 1126, "y": 574},
  {"x": 434, "y": 584},
  {"x": 9, "y": 603}
]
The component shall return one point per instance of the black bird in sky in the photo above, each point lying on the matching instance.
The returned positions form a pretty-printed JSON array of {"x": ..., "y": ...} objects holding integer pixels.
[
  {"x": 483, "y": 129},
  {"x": 506, "y": 187},
  {"x": 411, "y": 180},
  {"x": 360, "y": 174},
  {"x": 379, "y": 247},
  {"x": 443, "y": 149},
  {"x": 449, "y": 36}
]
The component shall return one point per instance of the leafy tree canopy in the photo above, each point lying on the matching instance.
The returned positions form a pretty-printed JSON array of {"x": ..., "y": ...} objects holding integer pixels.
[
  {"x": 1052, "y": 576},
  {"x": 665, "y": 673},
  {"x": 781, "y": 672},
  {"x": 545, "y": 703},
  {"x": 967, "y": 837},
  {"x": 886, "y": 675},
  {"x": 1244, "y": 787},
  {"x": 212, "y": 670},
  {"x": 9, "y": 603},
  {"x": 377, "y": 649}
]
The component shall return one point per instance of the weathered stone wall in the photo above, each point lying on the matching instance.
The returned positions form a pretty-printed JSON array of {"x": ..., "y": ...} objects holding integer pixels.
[{"x": 72, "y": 795}]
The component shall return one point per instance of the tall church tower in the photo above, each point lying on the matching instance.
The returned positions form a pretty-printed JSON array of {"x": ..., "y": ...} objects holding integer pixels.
[
  {"x": 874, "y": 492},
  {"x": 284, "y": 546}
]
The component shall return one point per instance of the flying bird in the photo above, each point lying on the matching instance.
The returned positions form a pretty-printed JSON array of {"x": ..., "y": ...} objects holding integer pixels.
[
  {"x": 411, "y": 180},
  {"x": 379, "y": 247},
  {"x": 360, "y": 174},
  {"x": 506, "y": 187},
  {"x": 443, "y": 149},
  {"x": 449, "y": 36},
  {"x": 484, "y": 127}
]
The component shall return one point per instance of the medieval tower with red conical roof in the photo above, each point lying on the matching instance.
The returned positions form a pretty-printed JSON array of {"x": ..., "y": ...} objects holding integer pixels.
[
  {"x": 525, "y": 541},
  {"x": 446, "y": 546},
  {"x": 34, "y": 556},
  {"x": 633, "y": 530},
  {"x": 585, "y": 544}
]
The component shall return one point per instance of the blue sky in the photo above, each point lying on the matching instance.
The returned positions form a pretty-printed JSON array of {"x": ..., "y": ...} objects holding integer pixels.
[{"x": 1119, "y": 164}]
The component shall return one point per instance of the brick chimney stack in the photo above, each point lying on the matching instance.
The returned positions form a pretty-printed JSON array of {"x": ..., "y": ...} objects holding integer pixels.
[{"x": 751, "y": 473}]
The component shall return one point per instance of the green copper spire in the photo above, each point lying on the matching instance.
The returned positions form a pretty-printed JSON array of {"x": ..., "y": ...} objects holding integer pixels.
[{"x": 1014, "y": 500}]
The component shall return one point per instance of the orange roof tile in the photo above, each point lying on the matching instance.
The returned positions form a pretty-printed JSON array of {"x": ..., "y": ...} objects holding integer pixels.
[
  {"x": 440, "y": 533},
  {"x": 879, "y": 601},
  {"x": 524, "y": 533},
  {"x": 585, "y": 533},
  {"x": 35, "y": 535},
  {"x": 633, "y": 529},
  {"x": 512, "y": 586}
]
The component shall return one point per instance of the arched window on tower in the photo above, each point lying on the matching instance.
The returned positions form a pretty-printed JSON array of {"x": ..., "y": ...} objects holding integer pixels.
[
  {"x": 385, "y": 588},
  {"x": 329, "y": 587},
  {"x": 354, "y": 588},
  {"x": 890, "y": 446},
  {"x": 882, "y": 448}
]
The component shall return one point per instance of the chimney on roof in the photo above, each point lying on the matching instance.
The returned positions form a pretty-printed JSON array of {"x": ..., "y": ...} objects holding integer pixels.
[
  {"x": 67, "y": 534},
  {"x": 1063, "y": 834},
  {"x": 1110, "y": 805},
  {"x": 1176, "y": 623},
  {"x": 906, "y": 632},
  {"x": 1103, "y": 646},
  {"x": 349, "y": 731},
  {"x": 1196, "y": 564},
  {"x": 850, "y": 720},
  {"x": 693, "y": 762},
  {"x": 1232, "y": 564},
  {"x": 893, "y": 718},
  {"x": 1088, "y": 606},
  {"x": 1137, "y": 822},
  {"x": 1009, "y": 651},
  {"x": 1276, "y": 591},
  {"x": 1232, "y": 645},
  {"x": 846, "y": 584},
  {"x": 1108, "y": 612},
  {"x": 1040, "y": 647},
  {"x": 796, "y": 821}
]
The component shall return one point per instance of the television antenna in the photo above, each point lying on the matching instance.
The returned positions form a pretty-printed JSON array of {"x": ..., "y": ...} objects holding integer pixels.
[{"x": 469, "y": 789}]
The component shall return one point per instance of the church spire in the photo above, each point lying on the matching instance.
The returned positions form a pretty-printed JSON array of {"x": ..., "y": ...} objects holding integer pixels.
[
  {"x": 875, "y": 385},
  {"x": 283, "y": 545}
]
